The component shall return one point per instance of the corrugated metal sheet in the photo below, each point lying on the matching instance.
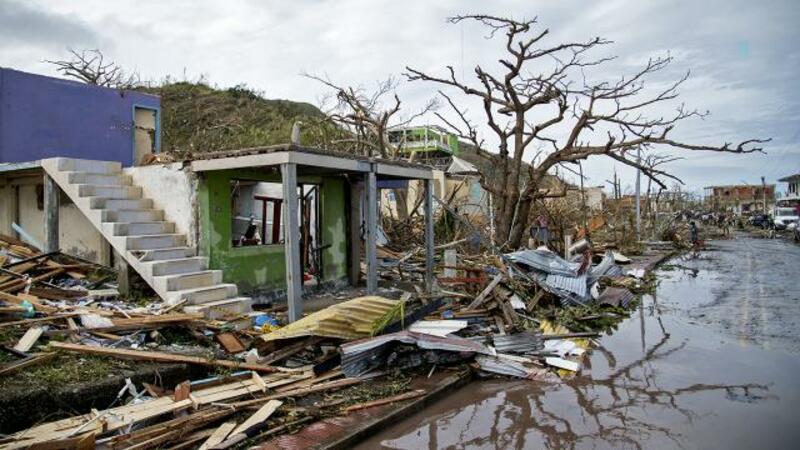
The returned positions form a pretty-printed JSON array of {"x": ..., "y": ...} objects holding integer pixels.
[
  {"x": 504, "y": 367},
  {"x": 615, "y": 296},
  {"x": 353, "y": 319},
  {"x": 360, "y": 356},
  {"x": 575, "y": 285},
  {"x": 438, "y": 327},
  {"x": 524, "y": 342},
  {"x": 545, "y": 261}
]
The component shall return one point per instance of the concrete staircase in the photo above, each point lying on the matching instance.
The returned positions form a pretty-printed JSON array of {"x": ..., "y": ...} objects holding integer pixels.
[{"x": 140, "y": 234}]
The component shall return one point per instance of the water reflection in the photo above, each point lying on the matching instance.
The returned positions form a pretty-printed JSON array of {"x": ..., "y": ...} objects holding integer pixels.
[
  {"x": 672, "y": 376},
  {"x": 630, "y": 404}
]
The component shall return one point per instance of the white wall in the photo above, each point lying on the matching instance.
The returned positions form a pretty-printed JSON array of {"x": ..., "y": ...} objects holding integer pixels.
[
  {"x": 77, "y": 236},
  {"x": 172, "y": 188}
]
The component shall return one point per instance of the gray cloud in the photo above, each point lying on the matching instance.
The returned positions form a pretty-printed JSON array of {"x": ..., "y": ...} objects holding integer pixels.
[
  {"x": 743, "y": 54},
  {"x": 21, "y": 23}
]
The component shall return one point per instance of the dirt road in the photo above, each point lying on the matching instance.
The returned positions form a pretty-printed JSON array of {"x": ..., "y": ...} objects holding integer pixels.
[{"x": 710, "y": 361}]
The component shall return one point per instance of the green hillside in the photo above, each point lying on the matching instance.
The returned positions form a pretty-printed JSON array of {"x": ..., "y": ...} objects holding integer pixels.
[{"x": 198, "y": 118}]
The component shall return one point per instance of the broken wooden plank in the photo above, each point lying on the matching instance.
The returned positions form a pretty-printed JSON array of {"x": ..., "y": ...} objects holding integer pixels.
[
  {"x": 182, "y": 391},
  {"x": 231, "y": 342},
  {"x": 27, "y": 362},
  {"x": 166, "y": 357},
  {"x": 219, "y": 435},
  {"x": 259, "y": 416},
  {"x": 489, "y": 288},
  {"x": 387, "y": 400},
  {"x": 29, "y": 339}
]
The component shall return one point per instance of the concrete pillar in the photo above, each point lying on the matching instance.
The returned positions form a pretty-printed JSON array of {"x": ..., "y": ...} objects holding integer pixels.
[
  {"x": 429, "y": 235},
  {"x": 354, "y": 218},
  {"x": 51, "y": 193},
  {"x": 291, "y": 238},
  {"x": 124, "y": 275},
  {"x": 371, "y": 232}
]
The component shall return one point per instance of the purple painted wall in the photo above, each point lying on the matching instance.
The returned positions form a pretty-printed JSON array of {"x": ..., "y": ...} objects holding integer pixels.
[{"x": 43, "y": 117}]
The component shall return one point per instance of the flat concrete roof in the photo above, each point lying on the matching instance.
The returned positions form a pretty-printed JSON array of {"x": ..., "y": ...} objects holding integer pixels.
[
  {"x": 17, "y": 166},
  {"x": 310, "y": 161}
]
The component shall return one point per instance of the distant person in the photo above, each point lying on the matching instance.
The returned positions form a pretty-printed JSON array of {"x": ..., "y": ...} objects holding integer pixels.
[{"x": 694, "y": 235}]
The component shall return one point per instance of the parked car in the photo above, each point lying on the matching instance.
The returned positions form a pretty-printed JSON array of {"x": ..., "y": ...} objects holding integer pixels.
[{"x": 759, "y": 220}]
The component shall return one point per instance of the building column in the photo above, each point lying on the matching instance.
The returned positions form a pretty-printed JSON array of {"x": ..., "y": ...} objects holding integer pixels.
[
  {"x": 124, "y": 274},
  {"x": 354, "y": 221},
  {"x": 291, "y": 242},
  {"x": 51, "y": 193},
  {"x": 371, "y": 231},
  {"x": 429, "y": 236}
]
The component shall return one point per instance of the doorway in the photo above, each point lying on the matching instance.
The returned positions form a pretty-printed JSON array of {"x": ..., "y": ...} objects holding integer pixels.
[{"x": 145, "y": 133}]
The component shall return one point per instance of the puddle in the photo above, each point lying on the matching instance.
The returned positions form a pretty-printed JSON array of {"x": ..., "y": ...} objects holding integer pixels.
[{"x": 677, "y": 374}]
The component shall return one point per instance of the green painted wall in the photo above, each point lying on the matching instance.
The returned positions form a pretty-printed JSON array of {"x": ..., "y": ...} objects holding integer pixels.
[{"x": 262, "y": 268}]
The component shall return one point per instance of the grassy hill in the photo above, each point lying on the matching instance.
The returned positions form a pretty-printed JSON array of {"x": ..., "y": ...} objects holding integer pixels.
[{"x": 198, "y": 118}]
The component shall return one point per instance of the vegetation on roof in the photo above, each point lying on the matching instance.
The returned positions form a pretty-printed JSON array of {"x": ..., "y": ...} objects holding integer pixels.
[{"x": 198, "y": 118}]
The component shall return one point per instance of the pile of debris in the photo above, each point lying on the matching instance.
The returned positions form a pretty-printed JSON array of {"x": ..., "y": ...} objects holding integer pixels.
[{"x": 505, "y": 317}]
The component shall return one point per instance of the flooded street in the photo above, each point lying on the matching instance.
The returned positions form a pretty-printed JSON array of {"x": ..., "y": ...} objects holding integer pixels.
[{"x": 710, "y": 361}]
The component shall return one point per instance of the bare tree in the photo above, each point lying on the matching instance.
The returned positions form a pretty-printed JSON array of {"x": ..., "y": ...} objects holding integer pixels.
[
  {"x": 535, "y": 98},
  {"x": 91, "y": 67},
  {"x": 366, "y": 118}
]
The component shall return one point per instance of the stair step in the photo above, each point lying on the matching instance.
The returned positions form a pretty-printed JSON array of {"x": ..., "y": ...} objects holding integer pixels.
[
  {"x": 119, "y": 179},
  {"x": 109, "y": 191},
  {"x": 222, "y": 308},
  {"x": 133, "y": 215},
  {"x": 154, "y": 241},
  {"x": 159, "y": 254},
  {"x": 88, "y": 165},
  {"x": 116, "y": 204},
  {"x": 140, "y": 228},
  {"x": 178, "y": 266},
  {"x": 202, "y": 295},
  {"x": 188, "y": 280}
]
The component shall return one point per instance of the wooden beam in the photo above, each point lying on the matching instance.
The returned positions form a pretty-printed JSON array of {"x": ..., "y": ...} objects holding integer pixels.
[
  {"x": 164, "y": 357},
  {"x": 51, "y": 193},
  {"x": 259, "y": 416},
  {"x": 371, "y": 232},
  {"x": 219, "y": 435},
  {"x": 291, "y": 237},
  {"x": 29, "y": 339}
]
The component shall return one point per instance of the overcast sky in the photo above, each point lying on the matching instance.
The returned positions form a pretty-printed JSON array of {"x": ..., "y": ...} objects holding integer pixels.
[{"x": 744, "y": 55}]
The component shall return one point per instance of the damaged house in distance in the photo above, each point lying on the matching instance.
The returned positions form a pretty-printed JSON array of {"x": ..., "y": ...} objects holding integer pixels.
[{"x": 215, "y": 233}]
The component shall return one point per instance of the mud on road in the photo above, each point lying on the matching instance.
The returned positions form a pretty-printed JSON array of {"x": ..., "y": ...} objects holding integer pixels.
[{"x": 710, "y": 361}]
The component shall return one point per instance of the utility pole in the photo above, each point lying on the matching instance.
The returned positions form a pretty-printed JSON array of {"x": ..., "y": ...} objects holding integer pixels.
[
  {"x": 583, "y": 203},
  {"x": 638, "y": 193},
  {"x": 764, "y": 193}
]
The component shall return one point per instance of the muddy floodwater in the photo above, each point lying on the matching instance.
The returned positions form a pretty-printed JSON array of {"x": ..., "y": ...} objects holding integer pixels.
[{"x": 711, "y": 361}]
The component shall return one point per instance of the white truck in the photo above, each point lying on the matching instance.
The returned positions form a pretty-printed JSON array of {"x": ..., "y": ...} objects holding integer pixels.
[{"x": 785, "y": 217}]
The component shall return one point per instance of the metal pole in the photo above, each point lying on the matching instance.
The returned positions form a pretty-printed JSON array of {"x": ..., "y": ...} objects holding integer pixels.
[
  {"x": 372, "y": 229},
  {"x": 291, "y": 242},
  {"x": 764, "y": 193},
  {"x": 51, "y": 193},
  {"x": 638, "y": 193},
  {"x": 429, "y": 235}
]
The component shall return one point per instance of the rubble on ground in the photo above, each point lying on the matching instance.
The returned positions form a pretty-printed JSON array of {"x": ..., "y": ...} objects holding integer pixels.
[{"x": 529, "y": 314}]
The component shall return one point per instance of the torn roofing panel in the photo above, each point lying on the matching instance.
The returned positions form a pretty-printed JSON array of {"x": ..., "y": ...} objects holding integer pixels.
[
  {"x": 607, "y": 267},
  {"x": 353, "y": 319},
  {"x": 361, "y": 356},
  {"x": 524, "y": 342},
  {"x": 615, "y": 296},
  {"x": 545, "y": 261},
  {"x": 575, "y": 285},
  {"x": 438, "y": 327}
]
